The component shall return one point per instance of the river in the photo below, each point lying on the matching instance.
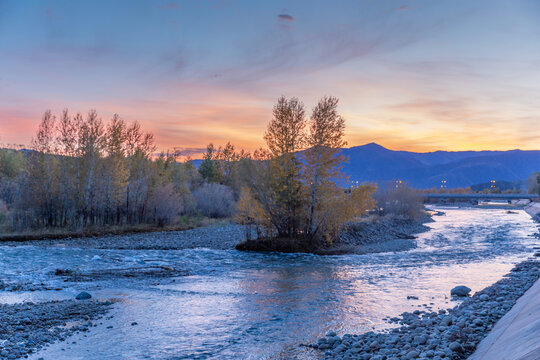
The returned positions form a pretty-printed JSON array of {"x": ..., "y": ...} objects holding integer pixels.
[{"x": 236, "y": 305}]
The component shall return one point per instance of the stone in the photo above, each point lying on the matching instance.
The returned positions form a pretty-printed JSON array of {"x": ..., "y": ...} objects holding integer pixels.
[
  {"x": 419, "y": 340},
  {"x": 455, "y": 347},
  {"x": 478, "y": 322},
  {"x": 83, "y": 296},
  {"x": 460, "y": 291},
  {"x": 446, "y": 321},
  {"x": 324, "y": 346}
]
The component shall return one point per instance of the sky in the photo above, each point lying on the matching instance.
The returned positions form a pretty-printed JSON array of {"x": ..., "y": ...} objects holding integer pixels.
[{"x": 418, "y": 75}]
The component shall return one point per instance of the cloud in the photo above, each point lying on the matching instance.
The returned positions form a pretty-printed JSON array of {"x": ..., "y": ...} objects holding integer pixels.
[
  {"x": 190, "y": 151},
  {"x": 286, "y": 17},
  {"x": 403, "y": 7}
]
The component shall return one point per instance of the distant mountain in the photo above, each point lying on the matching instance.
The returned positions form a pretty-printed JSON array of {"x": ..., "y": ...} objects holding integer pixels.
[
  {"x": 375, "y": 163},
  {"x": 372, "y": 162}
]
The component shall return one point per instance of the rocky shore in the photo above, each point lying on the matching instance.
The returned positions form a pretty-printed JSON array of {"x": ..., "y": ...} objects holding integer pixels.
[
  {"x": 28, "y": 327},
  {"x": 373, "y": 234},
  {"x": 446, "y": 334},
  {"x": 381, "y": 234}
]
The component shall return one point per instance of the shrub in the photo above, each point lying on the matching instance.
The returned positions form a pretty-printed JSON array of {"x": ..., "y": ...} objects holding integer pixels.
[
  {"x": 165, "y": 205},
  {"x": 215, "y": 200},
  {"x": 533, "y": 183},
  {"x": 400, "y": 200},
  {"x": 3, "y": 212}
]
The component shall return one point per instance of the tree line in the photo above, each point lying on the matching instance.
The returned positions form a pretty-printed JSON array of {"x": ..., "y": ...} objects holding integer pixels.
[{"x": 82, "y": 172}]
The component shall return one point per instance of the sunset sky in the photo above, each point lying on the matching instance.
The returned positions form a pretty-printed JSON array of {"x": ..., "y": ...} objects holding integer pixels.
[{"x": 411, "y": 75}]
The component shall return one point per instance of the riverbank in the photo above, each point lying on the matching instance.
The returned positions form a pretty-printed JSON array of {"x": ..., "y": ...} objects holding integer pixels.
[
  {"x": 452, "y": 334},
  {"x": 372, "y": 234},
  {"x": 369, "y": 235},
  {"x": 28, "y": 327},
  {"x": 61, "y": 233},
  {"x": 221, "y": 236}
]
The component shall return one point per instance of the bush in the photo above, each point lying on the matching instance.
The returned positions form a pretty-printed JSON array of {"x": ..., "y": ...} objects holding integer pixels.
[
  {"x": 400, "y": 201},
  {"x": 165, "y": 205},
  {"x": 533, "y": 183},
  {"x": 215, "y": 200},
  {"x": 3, "y": 212}
]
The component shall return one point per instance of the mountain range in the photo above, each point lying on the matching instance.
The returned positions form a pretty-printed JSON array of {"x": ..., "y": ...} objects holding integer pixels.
[{"x": 374, "y": 163}]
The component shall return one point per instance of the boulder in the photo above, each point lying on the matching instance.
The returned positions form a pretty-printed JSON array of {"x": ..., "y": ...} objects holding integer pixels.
[
  {"x": 460, "y": 291},
  {"x": 83, "y": 296}
]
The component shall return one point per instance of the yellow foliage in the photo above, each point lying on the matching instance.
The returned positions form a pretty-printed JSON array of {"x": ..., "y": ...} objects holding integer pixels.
[
  {"x": 336, "y": 208},
  {"x": 249, "y": 210}
]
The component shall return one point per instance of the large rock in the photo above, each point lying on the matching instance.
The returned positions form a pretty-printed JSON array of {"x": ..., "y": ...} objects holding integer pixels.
[
  {"x": 83, "y": 296},
  {"x": 460, "y": 291}
]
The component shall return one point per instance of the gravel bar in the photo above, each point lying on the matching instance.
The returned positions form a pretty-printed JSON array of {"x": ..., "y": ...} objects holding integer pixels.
[
  {"x": 28, "y": 327},
  {"x": 219, "y": 236}
]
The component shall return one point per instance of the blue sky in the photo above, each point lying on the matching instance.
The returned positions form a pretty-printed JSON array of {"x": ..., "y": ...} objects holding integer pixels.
[{"x": 415, "y": 75}]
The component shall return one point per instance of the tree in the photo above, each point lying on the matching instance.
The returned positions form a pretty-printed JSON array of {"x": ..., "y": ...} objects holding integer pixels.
[
  {"x": 207, "y": 169},
  {"x": 43, "y": 187},
  {"x": 284, "y": 137},
  {"x": 300, "y": 195},
  {"x": 323, "y": 163}
]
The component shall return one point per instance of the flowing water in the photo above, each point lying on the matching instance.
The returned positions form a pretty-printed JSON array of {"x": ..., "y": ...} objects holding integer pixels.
[{"x": 236, "y": 305}]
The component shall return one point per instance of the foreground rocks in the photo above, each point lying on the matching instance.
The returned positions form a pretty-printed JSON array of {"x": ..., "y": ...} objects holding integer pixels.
[
  {"x": 446, "y": 334},
  {"x": 28, "y": 327}
]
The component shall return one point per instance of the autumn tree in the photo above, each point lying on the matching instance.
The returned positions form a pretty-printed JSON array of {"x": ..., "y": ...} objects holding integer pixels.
[
  {"x": 297, "y": 183},
  {"x": 323, "y": 163},
  {"x": 285, "y": 136}
]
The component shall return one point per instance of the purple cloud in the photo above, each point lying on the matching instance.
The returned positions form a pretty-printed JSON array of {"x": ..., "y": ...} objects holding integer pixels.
[{"x": 286, "y": 17}]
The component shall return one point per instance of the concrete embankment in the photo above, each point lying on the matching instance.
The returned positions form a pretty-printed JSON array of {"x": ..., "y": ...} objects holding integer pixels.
[
  {"x": 533, "y": 209},
  {"x": 517, "y": 335}
]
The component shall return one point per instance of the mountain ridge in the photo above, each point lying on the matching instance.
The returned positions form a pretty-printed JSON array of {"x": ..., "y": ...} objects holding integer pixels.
[{"x": 373, "y": 162}]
